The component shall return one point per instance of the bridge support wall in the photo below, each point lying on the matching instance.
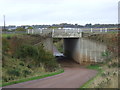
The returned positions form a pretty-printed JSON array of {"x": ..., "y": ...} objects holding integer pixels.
[
  {"x": 48, "y": 44},
  {"x": 79, "y": 49},
  {"x": 83, "y": 50}
]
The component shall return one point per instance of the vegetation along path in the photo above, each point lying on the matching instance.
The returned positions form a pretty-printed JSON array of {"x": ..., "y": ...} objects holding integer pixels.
[{"x": 74, "y": 76}]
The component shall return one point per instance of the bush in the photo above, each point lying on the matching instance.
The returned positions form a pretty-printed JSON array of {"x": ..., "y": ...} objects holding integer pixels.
[
  {"x": 5, "y": 46},
  {"x": 29, "y": 66},
  {"x": 14, "y": 72},
  {"x": 20, "y": 29},
  {"x": 50, "y": 62},
  {"x": 8, "y": 37},
  {"x": 39, "y": 55},
  {"x": 7, "y": 79},
  {"x": 22, "y": 64},
  {"x": 26, "y": 51},
  {"x": 115, "y": 64},
  {"x": 26, "y": 72}
]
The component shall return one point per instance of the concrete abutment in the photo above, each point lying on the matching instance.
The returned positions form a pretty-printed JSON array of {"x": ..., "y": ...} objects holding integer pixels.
[
  {"x": 83, "y": 50},
  {"x": 79, "y": 49}
]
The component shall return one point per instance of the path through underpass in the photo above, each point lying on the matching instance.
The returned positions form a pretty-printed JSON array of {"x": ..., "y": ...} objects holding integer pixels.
[{"x": 74, "y": 76}]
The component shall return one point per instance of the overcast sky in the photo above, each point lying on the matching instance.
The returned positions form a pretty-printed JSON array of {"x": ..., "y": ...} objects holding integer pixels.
[{"x": 28, "y": 12}]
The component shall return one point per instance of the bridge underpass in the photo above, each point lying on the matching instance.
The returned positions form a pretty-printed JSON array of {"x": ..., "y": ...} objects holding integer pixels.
[
  {"x": 78, "y": 48},
  {"x": 82, "y": 50},
  {"x": 75, "y": 45}
]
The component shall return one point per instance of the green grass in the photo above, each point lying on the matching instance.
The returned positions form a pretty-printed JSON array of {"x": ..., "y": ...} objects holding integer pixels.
[
  {"x": 11, "y": 34},
  {"x": 7, "y": 35},
  {"x": 94, "y": 67},
  {"x": 113, "y": 32},
  {"x": 33, "y": 78},
  {"x": 59, "y": 45}
]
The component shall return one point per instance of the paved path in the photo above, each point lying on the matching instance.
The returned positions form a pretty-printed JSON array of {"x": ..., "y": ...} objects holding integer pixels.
[{"x": 72, "y": 78}]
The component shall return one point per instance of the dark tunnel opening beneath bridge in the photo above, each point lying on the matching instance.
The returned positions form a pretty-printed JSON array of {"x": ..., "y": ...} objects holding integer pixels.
[
  {"x": 68, "y": 45},
  {"x": 62, "y": 46}
]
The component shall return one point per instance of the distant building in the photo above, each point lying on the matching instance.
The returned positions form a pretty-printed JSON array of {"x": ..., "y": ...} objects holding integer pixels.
[{"x": 11, "y": 28}]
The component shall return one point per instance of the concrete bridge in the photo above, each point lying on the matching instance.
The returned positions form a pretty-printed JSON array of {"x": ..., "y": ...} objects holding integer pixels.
[
  {"x": 75, "y": 45},
  {"x": 67, "y": 32}
]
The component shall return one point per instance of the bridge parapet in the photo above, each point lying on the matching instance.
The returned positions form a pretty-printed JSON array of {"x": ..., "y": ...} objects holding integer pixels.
[
  {"x": 56, "y": 33},
  {"x": 66, "y": 33},
  {"x": 69, "y": 32}
]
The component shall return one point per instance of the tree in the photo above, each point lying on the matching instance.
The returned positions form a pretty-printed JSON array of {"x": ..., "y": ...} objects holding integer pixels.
[
  {"x": 20, "y": 29},
  {"x": 30, "y": 27},
  {"x": 88, "y": 25}
]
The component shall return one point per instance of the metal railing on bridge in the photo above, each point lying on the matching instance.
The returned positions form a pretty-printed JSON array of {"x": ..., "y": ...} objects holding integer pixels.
[{"x": 69, "y": 32}]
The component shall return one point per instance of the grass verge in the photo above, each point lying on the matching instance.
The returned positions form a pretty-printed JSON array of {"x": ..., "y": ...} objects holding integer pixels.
[
  {"x": 95, "y": 67},
  {"x": 12, "y": 34},
  {"x": 33, "y": 78},
  {"x": 8, "y": 35}
]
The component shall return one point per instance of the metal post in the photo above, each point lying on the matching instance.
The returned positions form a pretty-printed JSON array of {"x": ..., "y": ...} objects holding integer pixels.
[
  {"x": 78, "y": 30},
  {"x": 80, "y": 34},
  {"x": 32, "y": 31},
  {"x": 53, "y": 32},
  {"x": 4, "y": 22},
  {"x": 91, "y": 30},
  {"x": 86, "y": 54},
  {"x": 65, "y": 31},
  {"x": 41, "y": 31},
  {"x": 28, "y": 31},
  {"x": 100, "y": 29},
  {"x": 105, "y": 29}
]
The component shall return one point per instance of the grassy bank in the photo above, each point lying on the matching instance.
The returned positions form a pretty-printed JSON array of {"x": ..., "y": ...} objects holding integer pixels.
[
  {"x": 107, "y": 77},
  {"x": 33, "y": 78},
  {"x": 22, "y": 60},
  {"x": 11, "y": 34}
]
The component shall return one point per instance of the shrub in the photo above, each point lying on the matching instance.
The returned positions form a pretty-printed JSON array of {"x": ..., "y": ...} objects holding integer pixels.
[
  {"x": 5, "y": 45},
  {"x": 114, "y": 64},
  {"x": 50, "y": 62},
  {"x": 26, "y": 51},
  {"x": 4, "y": 79},
  {"x": 8, "y": 37},
  {"x": 29, "y": 66},
  {"x": 39, "y": 55},
  {"x": 26, "y": 72},
  {"x": 14, "y": 72},
  {"x": 7, "y": 78},
  {"x": 22, "y": 64},
  {"x": 20, "y": 29}
]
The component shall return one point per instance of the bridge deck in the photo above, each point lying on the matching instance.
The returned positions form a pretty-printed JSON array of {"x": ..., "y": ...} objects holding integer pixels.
[{"x": 70, "y": 33}]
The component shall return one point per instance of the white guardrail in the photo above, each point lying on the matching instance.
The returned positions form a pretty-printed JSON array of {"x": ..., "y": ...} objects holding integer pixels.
[{"x": 68, "y": 32}]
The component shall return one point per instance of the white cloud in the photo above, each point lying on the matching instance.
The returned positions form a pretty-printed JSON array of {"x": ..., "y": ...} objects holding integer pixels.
[{"x": 20, "y": 12}]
